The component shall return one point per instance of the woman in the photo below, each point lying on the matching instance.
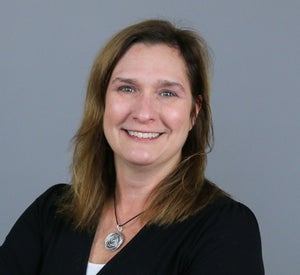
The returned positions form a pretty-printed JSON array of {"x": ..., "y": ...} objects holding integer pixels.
[{"x": 139, "y": 202}]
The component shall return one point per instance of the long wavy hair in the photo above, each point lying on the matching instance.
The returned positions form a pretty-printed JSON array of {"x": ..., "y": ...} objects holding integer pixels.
[{"x": 183, "y": 192}]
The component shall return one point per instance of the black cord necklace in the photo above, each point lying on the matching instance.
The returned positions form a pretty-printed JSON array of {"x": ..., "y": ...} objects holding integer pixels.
[{"x": 115, "y": 239}]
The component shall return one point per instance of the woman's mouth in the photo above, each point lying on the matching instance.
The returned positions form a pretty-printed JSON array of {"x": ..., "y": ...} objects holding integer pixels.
[{"x": 144, "y": 135}]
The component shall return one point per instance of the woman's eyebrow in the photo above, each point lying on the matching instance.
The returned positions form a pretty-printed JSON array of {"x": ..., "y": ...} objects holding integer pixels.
[
  {"x": 125, "y": 80},
  {"x": 167, "y": 83}
]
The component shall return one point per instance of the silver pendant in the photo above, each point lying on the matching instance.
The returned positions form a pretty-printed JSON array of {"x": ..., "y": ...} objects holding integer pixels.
[{"x": 113, "y": 240}]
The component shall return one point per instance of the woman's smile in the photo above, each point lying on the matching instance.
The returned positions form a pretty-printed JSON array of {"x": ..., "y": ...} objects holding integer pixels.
[{"x": 143, "y": 135}]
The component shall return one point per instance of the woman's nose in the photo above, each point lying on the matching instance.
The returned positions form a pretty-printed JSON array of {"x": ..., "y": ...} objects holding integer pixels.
[{"x": 145, "y": 107}]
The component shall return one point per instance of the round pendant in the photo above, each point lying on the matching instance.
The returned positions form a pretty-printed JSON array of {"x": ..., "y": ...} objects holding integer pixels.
[{"x": 113, "y": 240}]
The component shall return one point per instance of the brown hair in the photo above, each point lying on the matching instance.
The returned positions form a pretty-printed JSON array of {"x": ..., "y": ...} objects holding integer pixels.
[{"x": 182, "y": 193}]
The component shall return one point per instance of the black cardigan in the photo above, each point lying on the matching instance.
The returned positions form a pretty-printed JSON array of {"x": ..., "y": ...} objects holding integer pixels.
[{"x": 221, "y": 239}]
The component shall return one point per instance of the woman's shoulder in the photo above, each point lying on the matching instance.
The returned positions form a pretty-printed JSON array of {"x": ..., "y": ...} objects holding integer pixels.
[
  {"x": 225, "y": 230},
  {"x": 228, "y": 205},
  {"x": 54, "y": 191},
  {"x": 44, "y": 208},
  {"x": 50, "y": 197},
  {"x": 222, "y": 238},
  {"x": 229, "y": 225},
  {"x": 228, "y": 213}
]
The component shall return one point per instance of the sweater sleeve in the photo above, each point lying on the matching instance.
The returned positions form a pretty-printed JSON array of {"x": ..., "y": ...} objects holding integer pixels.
[
  {"x": 21, "y": 252},
  {"x": 232, "y": 244}
]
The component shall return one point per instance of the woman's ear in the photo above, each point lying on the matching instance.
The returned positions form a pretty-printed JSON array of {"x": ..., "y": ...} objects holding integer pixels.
[{"x": 198, "y": 105}]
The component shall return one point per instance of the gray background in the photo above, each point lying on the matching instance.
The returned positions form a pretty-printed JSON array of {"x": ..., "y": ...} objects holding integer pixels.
[{"x": 46, "y": 51}]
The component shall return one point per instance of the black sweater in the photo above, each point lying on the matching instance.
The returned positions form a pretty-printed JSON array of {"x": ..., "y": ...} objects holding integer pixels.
[{"x": 221, "y": 239}]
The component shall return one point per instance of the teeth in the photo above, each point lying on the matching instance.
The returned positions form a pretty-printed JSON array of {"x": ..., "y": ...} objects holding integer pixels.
[{"x": 143, "y": 135}]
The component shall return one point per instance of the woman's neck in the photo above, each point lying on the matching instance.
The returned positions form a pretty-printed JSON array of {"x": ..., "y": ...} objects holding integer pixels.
[
  {"x": 133, "y": 187},
  {"x": 134, "y": 183}
]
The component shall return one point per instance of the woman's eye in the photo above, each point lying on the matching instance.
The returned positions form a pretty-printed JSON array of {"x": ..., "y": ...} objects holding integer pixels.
[
  {"x": 126, "y": 89},
  {"x": 168, "y": 93}
]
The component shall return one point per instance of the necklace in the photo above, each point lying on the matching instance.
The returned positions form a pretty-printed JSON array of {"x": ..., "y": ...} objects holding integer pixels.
[{"x": 115, "y": 239}]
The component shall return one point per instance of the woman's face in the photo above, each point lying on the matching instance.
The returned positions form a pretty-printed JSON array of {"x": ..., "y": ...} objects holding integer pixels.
[{"x": 148, "y": 106}]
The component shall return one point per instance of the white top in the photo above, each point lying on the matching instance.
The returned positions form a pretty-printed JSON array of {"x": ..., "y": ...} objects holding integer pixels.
[{"x": 93, "y": 269}]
